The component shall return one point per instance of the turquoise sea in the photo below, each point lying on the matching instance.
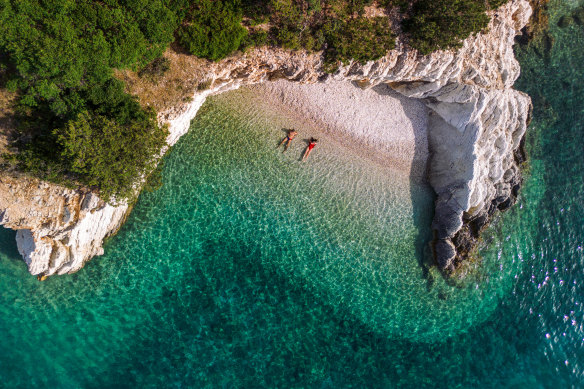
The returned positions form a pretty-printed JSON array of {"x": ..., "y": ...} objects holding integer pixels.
[{"x": 250, "y": 269}]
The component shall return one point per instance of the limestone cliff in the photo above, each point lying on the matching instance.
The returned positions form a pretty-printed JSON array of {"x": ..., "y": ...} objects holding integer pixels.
[
  {"x": 477, "y": 124},
  {"x": 58, "y": 229}
]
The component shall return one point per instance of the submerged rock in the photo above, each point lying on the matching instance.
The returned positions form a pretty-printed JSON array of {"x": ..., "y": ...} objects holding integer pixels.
[{"x": 444, "y": 252}]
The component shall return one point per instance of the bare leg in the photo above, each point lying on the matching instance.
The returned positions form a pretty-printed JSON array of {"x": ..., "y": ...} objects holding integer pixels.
[{"x": 306, "y": 153}]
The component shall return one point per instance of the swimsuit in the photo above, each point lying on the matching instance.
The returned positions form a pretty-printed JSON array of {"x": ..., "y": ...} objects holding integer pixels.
[{"x": 311, "y": 146}]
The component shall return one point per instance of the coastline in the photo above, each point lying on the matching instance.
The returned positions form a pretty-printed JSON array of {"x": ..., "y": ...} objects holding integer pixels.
[
  {"x": 233, "y": 273},
  {"x": 471, "y": 158}
]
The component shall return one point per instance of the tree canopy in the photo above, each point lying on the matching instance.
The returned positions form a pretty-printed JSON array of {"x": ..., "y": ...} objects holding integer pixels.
[
  {"x": 107, "y": 154},
  {"x": 212, "y": 29},
  {"x": 443, "y": 24},
  {"x": 61, "y": 54}
]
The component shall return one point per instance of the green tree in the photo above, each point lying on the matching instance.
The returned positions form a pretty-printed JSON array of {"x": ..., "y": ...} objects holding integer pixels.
[
  {"x": 443, "y": 24},
  {"x": 105, "y": 154},
  {"x": 361, "y": 39},
  {"x": 60, "y": 54},
  {"x": 213, "y": 29}
]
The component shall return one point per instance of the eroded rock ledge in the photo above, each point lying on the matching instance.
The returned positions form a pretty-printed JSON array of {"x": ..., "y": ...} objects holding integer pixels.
[{"x": 475, "y": 132}]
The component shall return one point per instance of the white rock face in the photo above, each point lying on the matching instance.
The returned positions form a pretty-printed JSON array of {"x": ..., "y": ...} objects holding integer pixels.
[
  {"x": 477, "y": 123},
  {"x": 59, "y": 229}
]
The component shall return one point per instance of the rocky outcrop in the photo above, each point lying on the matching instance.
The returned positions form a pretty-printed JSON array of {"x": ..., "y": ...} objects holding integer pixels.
[
  {"x": 58, "y": 229},
  {"x": 476, "y": 128}
]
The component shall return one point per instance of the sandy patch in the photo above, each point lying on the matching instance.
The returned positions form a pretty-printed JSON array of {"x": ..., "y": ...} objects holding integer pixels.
[{"x": 387, "y": 127}]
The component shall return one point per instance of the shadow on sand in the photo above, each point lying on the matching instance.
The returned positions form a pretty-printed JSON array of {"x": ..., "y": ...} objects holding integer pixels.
[{"x": 419, "y": 185}]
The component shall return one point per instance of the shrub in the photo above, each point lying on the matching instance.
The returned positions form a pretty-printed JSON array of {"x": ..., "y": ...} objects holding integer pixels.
[
  {"x": 314, "y": 6},
  {"x": 213, "y": 29},
  {"x": 357, "y": 6},
  {"x": 60, "y": 56},
  {"x": 443, "y": 24},
  {"x": 256, "y": 38},
  {"x": 204, "y": 85},
  {"x": 103, "y": 153},
  {"x": 156, "y": 68},
  {"x": 287, "y": 23},
  {"x": 256, "y": 11},
  {"x": 360, "y": 38},
  {"x": 494, "y": 4},
  {"x": 286, "y": 38}
]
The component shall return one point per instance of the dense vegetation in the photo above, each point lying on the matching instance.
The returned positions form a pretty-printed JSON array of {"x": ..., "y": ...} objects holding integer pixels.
[
  {"x": 76, "y": 123},
  {"x": 61, "y": 54},
  {"x": 339, "y": 27},
  {"x": 212, "y": 29},
  {"x": 441, "y": 24}
]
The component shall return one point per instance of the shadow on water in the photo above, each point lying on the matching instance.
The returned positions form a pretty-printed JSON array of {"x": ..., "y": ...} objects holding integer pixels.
[
  {"x": 418, "y": 180},
  {"x": 255, "y": 327},
  {"x": 235, "y": 349},
  {"x": 8, "y": 243}
]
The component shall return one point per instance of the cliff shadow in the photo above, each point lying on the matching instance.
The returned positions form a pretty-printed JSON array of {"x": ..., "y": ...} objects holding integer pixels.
[
  {"x": 8, "y": 247},
  {"x": 421, "y": 193}
]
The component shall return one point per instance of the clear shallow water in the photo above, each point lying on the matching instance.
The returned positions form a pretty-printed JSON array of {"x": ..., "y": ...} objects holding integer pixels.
[{"x": 250, "y": 269}]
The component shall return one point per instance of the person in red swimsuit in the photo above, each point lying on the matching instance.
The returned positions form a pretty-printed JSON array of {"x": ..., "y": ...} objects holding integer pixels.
[
  {"x": 291, "y": 134},
  {"x": 311, "y": 145}
]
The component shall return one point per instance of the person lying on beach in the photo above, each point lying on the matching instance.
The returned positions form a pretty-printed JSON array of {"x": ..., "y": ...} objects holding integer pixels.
[
  {"x": 291, "y": 134},
  {"x": 311, "y": 144}
]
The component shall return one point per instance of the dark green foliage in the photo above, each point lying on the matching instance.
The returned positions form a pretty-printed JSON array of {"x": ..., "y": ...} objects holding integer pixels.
[
  {"x": 256, "y": 11},
  {"x": 287, "y": 23},
  {"x": 312, "y": 40},
  {"x": 213, "y": 29},
  {"x": 180, "y": 8},
  {"x": 357, "y": 6},
  {"x": 60, "y": 48},
  {"x": 361, "y": 39},
  {"x": 442, "y": 24},
  {"x": 494, "y": 4},
  {"x": 314, "y": 6},
  {"x": 338, "y": 26},
  {"x": 60, "y": 54},
  {"x": 103, "y": 153},
  {"x": 401, "y": 5},
  {"x": 115, "y": 137},
  {"x": 286, "y": 38},
  {"x": 255, "y": 38},
  {"x": 6, "y": 71},
  {"x": 156, "y": 68},
  {"x": 578, "y": 15}
]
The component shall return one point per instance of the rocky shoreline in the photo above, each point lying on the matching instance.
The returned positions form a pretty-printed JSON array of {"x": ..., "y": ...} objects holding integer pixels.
[
  {"x": 477, "y": 123},
  {"x": 451, "y": 257}
]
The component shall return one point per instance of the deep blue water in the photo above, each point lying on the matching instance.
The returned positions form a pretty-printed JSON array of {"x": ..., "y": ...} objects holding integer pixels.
[{"x": 250, "y": 269}]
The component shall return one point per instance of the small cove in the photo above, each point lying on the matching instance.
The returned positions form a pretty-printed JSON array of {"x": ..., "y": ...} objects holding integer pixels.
[
  {"x": 250, "y": 269},
  {"x": 246, "y": 257}
]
